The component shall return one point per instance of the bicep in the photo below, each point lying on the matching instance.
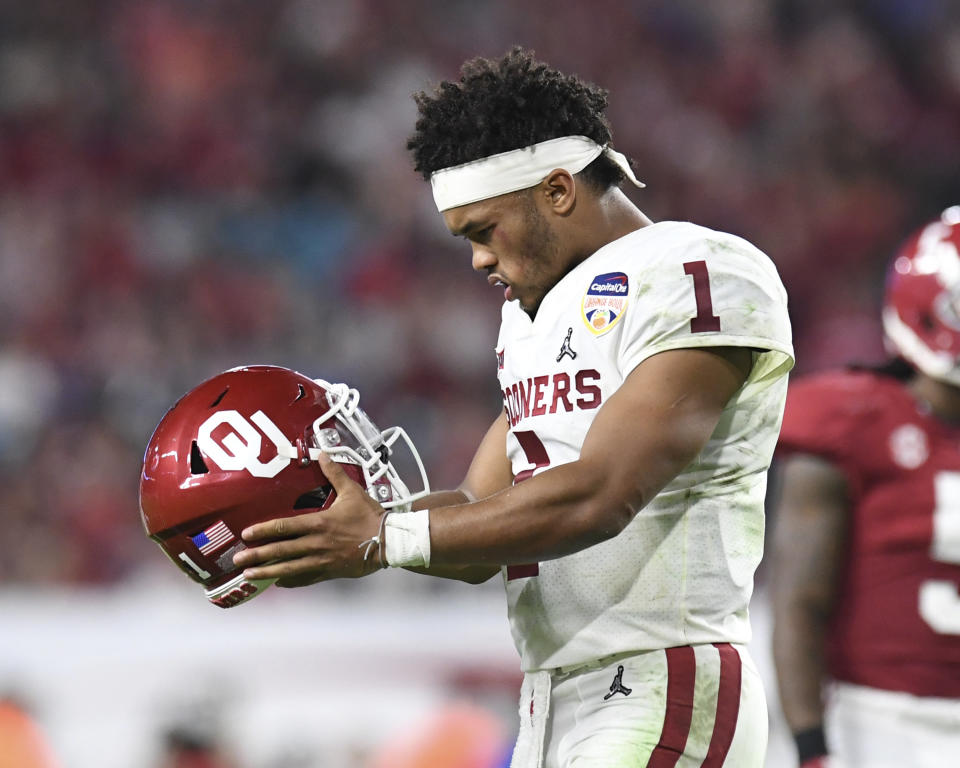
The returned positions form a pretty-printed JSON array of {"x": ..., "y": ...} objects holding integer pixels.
[
  {"x": 661, "y": 418},
  {"x": 490, "y": 469},
  {"x": 810, "y": 524}
]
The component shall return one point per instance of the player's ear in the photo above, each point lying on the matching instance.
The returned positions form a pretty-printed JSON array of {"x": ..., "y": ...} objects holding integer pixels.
[{"x": 560, "y": 191}]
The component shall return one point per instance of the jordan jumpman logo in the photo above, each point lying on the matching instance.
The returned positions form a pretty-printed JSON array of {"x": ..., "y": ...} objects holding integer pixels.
[
  {"x": 617, "y": 685},
  {"x": 566, "y": 349}
]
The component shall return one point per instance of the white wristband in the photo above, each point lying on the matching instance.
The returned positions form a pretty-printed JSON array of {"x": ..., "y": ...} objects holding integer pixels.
[{"x": 407, "y": 539}]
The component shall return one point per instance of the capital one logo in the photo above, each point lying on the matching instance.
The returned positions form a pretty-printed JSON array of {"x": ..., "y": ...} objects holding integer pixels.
[{"x": 240, "y": 449}]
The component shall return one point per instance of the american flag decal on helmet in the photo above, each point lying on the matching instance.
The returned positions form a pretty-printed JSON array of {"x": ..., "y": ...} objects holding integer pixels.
[{"x": 212, "y": 538}]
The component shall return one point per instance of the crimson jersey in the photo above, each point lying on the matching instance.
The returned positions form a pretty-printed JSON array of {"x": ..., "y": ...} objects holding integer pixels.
[{"x": 896, "y": 624}]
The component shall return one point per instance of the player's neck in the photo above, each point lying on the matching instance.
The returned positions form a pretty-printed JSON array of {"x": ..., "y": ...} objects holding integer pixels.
[
  {"x": 942, "y": 399},
  {"x": 610, "y": 217}
]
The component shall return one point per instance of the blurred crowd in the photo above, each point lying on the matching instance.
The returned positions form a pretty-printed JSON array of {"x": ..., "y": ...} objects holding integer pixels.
[{"x": 189, "y": 186}]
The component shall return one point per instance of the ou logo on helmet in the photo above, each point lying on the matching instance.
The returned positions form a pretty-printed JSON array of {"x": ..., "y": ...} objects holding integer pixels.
[{"x": 240, "y": 449}]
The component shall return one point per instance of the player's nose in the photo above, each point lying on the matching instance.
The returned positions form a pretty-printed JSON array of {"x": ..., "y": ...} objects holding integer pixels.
[{"x": 483, "y": 258}]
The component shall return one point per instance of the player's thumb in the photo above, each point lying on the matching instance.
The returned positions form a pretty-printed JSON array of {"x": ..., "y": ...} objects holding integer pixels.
[{"x": 335, "y": 473}]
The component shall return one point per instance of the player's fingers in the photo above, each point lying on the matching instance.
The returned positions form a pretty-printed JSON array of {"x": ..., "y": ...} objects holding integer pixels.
[
  {"x": 289, "y": 571},
  {"x": 277, "y": 550},
  {"x": 339, "y": 479},
  {"x": 280, "y": 528}
]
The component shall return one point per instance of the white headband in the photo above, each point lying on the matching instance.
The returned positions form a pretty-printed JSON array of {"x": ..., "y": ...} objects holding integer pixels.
[{"x": 518, "y": 169}]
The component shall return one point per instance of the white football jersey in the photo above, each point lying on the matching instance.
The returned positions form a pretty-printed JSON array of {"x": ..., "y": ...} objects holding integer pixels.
[{"x": 681, "y": 573}]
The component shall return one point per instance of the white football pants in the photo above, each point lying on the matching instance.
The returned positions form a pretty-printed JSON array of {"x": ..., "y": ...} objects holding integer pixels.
[
  {"x": 687, "y": 707},
  {"x": 872, "y": 728}
]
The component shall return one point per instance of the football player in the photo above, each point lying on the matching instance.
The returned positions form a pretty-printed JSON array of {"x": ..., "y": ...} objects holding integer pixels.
[
  {"x": 619, "y": 493},
  {"x": 867, "y": 534}
]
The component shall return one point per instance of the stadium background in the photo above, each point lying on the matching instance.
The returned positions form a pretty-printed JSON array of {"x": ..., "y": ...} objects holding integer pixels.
[{"x": 188, "y": 186}]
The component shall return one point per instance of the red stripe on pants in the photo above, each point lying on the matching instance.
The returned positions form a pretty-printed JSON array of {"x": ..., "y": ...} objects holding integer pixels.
[
  {"x": 728, "y": 706},
  {"x": 681, "y": 675}
]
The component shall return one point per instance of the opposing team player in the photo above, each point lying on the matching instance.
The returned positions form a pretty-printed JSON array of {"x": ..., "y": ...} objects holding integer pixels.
[
  {"x": 867, "y": 542},
  {"x": 620, "y": 492}
]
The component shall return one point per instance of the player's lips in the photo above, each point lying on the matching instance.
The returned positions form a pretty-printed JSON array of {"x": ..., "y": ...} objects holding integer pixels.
[{"x": 496, "y": 280}]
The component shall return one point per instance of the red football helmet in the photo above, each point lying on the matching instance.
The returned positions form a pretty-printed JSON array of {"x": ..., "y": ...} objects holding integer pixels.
[
  {"x": 208, "y": 472},
  {"x": 921, "y": 313}
]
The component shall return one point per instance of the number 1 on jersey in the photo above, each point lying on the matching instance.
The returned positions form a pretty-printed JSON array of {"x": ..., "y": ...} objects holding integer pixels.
[{"x": 705, "y": 320}]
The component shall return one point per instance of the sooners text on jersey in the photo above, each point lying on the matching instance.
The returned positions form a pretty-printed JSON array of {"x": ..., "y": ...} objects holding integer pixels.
[{"x": 552, "y": 392}]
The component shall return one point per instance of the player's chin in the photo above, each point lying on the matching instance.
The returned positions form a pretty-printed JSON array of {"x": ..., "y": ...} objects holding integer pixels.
[
  {"x": 522, "y": 298},
  {"x": 529, "y": 306}
]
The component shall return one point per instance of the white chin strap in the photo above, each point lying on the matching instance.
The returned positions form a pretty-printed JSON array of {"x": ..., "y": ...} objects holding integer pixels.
[{"x": 518, "y": 169}]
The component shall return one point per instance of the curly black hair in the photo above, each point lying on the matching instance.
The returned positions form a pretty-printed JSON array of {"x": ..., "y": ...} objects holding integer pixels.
[{"x": 508, "y": 103}]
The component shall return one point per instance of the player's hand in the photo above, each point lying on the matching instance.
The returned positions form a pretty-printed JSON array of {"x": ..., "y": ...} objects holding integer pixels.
[{"x": 317, "y": 546}]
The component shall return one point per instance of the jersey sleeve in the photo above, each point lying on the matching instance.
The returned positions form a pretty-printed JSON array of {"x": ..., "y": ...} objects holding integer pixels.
[{"x": 708, "y": 289}]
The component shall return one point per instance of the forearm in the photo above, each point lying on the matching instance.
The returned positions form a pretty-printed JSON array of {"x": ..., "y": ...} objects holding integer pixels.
[
  {"x": 798, "y": 650},
  {"x": 558, "y": 512},
  {"x": 809, "y": 547},
  {"x": 472, "y": 574}
]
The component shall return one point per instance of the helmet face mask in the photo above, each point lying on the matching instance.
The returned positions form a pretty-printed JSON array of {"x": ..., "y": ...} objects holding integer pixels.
[
  {"x": 242, "y": 448},
  {"x": 921, "y": 314}
]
